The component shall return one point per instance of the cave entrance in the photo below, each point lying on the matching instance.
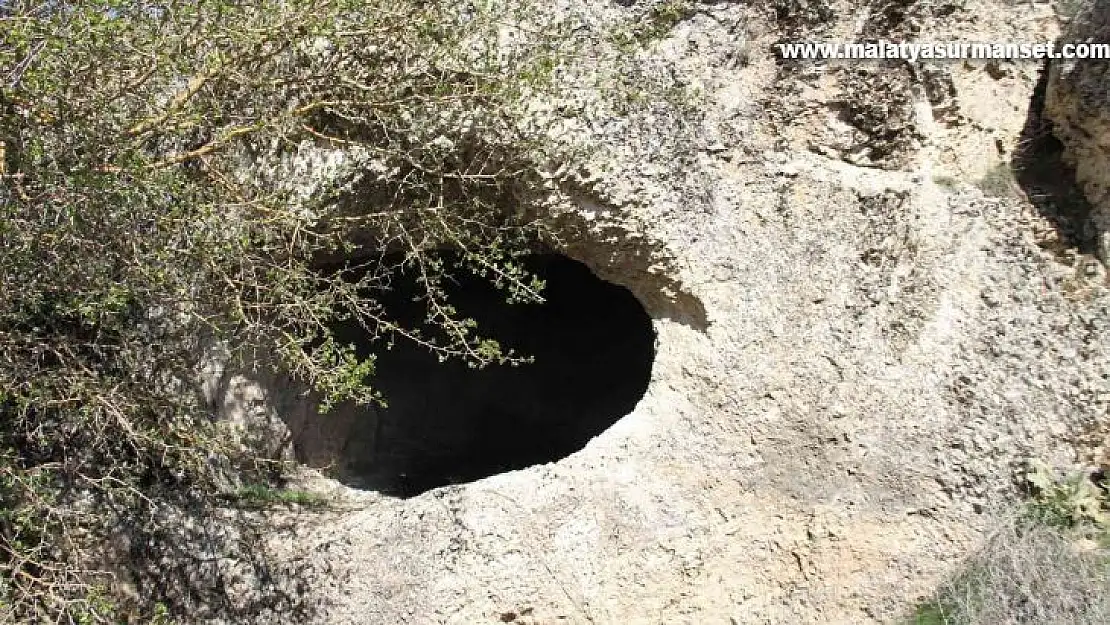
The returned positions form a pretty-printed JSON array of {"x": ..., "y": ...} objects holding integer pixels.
[{"x": 593, "y": 345}]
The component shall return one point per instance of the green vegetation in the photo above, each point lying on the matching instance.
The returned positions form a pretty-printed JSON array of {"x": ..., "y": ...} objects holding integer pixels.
[
  {"x": 657, "y": 22},
  {"x": 156, "y": 170},
  {"x": 948, "y": 182},
  {"x": 1074, "y": 502},
  {"x": 263, "y": 495},
  {"x": 663, "y": 17},
  {"x": 1047, "y": 564},
  {"x": 1000, "y": 182}
]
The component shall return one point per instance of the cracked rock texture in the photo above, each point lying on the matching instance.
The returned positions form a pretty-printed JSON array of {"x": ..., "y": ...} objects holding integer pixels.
[
  {"x": 1078, "y": 92},
  {"x": 862, "y": 337}
]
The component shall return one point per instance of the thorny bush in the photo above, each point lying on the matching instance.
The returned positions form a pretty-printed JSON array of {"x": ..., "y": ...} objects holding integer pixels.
[{"x": 173, "y": 172}]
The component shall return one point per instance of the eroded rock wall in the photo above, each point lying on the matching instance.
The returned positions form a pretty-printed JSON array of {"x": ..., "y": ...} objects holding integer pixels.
[
  {"x": 886, "y": 328},
  {"x": 1076, "y": 103}
]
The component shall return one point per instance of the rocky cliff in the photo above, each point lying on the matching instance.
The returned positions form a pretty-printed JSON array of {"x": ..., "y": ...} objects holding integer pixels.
[
  {"x": 867, "y": 320},
  {"x": 1076, "y": 104}
]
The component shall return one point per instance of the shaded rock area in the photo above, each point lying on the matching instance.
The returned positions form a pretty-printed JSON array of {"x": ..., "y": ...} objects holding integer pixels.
[
  {"x": 592, "y": 345},
  {"x": 1076, "y": 104}
]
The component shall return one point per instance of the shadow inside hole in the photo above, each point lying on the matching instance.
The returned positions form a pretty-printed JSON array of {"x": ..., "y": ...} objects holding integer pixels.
[
  {"x": 1048, "y": 181},
  {"x": 593, "y": 345}
]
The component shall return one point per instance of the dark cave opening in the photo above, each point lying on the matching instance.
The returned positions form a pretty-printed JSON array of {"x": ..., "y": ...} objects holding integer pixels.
[
  {"x": 593, "y": 346},
  {"x": 1049, "y": 181}
]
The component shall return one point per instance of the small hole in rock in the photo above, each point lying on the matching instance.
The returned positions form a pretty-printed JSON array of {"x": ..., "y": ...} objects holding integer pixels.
[{"x": 593, "y": 345}]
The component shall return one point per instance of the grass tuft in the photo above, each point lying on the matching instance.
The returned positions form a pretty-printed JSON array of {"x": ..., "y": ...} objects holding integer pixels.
[
  {"x": 1046, "y": 564},
  {"x": 264, "y": 496}
]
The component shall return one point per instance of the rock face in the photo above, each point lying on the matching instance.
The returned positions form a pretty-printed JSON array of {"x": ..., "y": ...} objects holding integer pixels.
[
  {"x": 1078, "y": 92},
  {"x": 864, "y": 328}
]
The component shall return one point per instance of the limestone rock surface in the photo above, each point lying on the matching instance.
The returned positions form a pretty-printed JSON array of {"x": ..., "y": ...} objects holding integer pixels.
[
  {"x": 1078, "y": 92},
  {"x": 865, "y": 327}
]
